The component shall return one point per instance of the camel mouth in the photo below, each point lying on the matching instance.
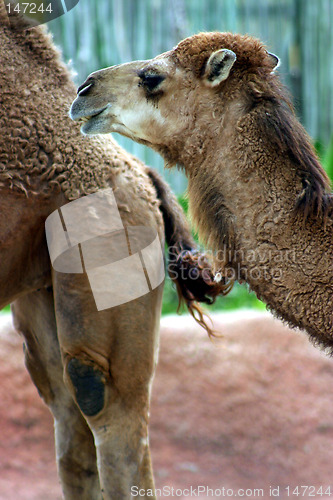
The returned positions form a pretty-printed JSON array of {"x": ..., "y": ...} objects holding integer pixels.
[
  {"x": 87, "y": 118},
  {"x": 92, "y": 123}
]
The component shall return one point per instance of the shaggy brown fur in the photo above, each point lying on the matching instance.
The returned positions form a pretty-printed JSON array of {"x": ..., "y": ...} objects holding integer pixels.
[
  {"x": 57, "y": 163},
  {"x": 189, "y": 269},
  {"x": 44, "y": 163},
  {"x": 257, "y": 193},
  {"x": 282, "y": 129},
  {"x": 192, "y": 53},
  {"x": 48, "y": 160}
]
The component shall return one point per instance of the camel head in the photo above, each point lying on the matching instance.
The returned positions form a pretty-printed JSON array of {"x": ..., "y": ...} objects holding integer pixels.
[{"x": 170, "y": 101}]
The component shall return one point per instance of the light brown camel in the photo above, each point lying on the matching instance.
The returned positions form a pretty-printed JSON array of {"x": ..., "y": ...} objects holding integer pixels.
[
  {"x": 258, "y": 196},
  {"x": 107, "y": 357}
]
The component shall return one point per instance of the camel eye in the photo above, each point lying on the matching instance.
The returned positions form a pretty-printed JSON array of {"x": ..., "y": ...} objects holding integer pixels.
[{"x": 150, "y": 81}]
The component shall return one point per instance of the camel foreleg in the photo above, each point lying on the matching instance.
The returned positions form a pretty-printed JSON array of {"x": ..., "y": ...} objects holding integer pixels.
[
  {"x": 76, "y": 458},
  {"x": 109, "y": 358}
]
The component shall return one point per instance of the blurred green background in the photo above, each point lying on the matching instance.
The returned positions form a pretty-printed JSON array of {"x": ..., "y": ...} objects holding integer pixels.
[{"x": 102, "y": 33}]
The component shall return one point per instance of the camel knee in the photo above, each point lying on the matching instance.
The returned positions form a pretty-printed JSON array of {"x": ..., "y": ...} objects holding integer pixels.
[{"x": 89, "y": 386}]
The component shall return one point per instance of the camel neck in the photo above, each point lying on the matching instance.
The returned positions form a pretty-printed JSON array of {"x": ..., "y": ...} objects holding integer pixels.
[{"x": 243, "y": 199}]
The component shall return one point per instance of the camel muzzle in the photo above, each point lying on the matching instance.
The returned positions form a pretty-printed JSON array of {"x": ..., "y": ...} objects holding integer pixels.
[{"x": 79, "y": 110}]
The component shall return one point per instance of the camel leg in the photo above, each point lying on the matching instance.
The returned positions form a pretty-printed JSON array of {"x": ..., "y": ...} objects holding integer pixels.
[
  {"x": 34, "y": 318},
  {"x": 109, "y": 358}
]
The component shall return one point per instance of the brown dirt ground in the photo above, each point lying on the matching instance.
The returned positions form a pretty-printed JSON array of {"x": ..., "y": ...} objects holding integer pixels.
[{"x": 252, "y": 411}]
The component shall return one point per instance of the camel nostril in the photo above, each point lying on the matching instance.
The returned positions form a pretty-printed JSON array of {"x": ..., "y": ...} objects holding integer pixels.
[{"x": 85, "y": 87}]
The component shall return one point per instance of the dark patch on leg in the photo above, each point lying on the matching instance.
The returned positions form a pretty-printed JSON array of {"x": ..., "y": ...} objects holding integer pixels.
[{"x": 89, "y": 387}]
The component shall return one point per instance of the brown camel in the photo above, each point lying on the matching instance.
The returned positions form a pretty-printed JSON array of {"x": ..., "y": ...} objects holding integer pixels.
[
  {"x": 258, "y": 196},
  {"x": 106, "y": 357}
]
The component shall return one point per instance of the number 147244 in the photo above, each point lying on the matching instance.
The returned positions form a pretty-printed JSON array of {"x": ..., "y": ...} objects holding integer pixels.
[
  {"x": 309, "y": 491},
  {"x": 29, "y": 8}
]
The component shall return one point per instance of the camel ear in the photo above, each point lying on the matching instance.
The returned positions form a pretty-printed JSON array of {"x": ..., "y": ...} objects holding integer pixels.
[
  {"x": 218, "y": 67},
  {"x": 274, "y": 60}
]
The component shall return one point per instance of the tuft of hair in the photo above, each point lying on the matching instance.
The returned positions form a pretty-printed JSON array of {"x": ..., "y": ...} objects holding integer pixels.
[
  {"x": 193, "y": 52},
  {"x": 284, "y": 131},
  {"x": 189, "y": 269},
  {"x": 193, "y": 276}
]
